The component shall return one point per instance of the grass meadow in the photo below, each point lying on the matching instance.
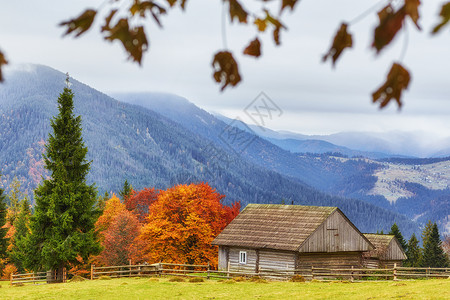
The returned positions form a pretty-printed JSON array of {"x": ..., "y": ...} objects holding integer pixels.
[{"x": 163, "y": 288}]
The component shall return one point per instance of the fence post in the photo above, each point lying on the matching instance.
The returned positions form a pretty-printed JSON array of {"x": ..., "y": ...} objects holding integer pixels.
[
  {"x": 395, "y": 271},
  {"x": 130, "y": 269},
  {"x": 428, "y": 272},
  {"x": 312, "y": 272},
  {"x": 228, "y": 269},
  {"x": 207, "y": 276},
  {"x": 92, "y": 272},
  {"x": 11, "y": 277},
  {"x": 351, "y": 277}
]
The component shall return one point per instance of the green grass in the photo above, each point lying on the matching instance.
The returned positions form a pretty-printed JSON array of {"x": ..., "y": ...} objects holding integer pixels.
[{"x": 144, "y": 288}]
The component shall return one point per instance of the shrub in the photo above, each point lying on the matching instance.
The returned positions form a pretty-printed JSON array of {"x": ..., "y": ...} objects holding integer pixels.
[
  {"x": 8, "y": 270},
  {"x": 177, "y": 279},
  {"x": 77, "y": 278},
  {"x": 196, "y": 279},
  {"x": 298, "y": 278}
]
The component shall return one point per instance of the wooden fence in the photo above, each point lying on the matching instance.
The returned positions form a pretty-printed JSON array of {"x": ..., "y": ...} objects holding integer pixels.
[
  {"x": 36, "y": 278},
  {"x": 352, "y": 274}
]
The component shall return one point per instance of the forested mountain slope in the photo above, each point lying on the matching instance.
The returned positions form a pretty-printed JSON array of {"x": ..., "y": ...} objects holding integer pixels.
[{"x": 128, "y": 142}]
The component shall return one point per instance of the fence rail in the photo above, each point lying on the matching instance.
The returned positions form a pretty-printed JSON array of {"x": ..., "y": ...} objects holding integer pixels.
[
  {"x": 352, "y": 274},
  {"x": 36, "y": 277}
]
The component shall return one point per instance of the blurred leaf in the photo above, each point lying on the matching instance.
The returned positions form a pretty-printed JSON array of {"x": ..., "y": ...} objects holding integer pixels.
[
  {"x": 412, "y": 10},
  {"x": 445, "y": 17},
  {"x": 342, "y": 40},
  {"x": 80, "y": 24},
  {"x": 3, "y": 62},
  {"x": 288, "y": 3},
  {"x": 142, "y": 7},
  {"x": 134, "y": 40},
  {"x": 108, "y": 19},
  {"x": 278, "y": 26},
  {"x": 261, "y": 24},
  {"x": 397, "y": 80},
  {"x": 237, "y": 11},
  {"x": 173, "y": 2},
  {"x": 390, "y": 24},
  {"x": 226, "y": 69},
  {"x": 254, "y": 48}
]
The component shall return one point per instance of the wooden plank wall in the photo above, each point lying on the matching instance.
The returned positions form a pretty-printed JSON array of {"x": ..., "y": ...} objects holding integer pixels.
[
  {"x": 336, "y": 234},
  {"x": 223, "y": 258},
  {"x": 329, "y": 260},
  {"x": 276, "y": 260},
  {"x": 394, "y": 252},
  {"x": 235, "y": 266}
]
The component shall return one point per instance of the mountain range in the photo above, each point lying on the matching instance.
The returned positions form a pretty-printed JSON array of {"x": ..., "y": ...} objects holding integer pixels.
[{"x": 158, "y": 140}]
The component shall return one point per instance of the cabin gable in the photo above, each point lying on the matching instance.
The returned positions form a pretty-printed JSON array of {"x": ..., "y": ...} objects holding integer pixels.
[{"x": 336, "y": 234}]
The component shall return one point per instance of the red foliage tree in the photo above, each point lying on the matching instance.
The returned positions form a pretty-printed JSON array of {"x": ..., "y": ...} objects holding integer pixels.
[
  {"x": 119, "y": 243},
  {"x": 182, "y": 223},
  {"x": 139, "y": 202}
]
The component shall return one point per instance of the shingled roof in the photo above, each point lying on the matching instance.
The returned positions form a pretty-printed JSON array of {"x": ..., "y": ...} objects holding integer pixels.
[{"x": 272, "y": 226}]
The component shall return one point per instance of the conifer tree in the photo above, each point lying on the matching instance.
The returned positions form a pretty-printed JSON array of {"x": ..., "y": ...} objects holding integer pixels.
[
  {"x": 3, "y": 230},
  {"x": 62, "y": 226},
  {"x": 21, "y": 224},
  {"x": 126, "y": 191},
  {"x": 413, "y": 252},
  {"x": 15, "y": 197},
  {"x": 396, "y": 232},
  {"x": 433, "y": 254}
]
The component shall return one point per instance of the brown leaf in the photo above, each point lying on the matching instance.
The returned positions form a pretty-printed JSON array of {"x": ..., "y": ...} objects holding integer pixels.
[
  {"x": 390, "y": 24},
  {"x": 254, "y": 48},
  {"x": 142, "y": 7},
  {"x": 397, "y": 80},
  {"x": 3, "y": 62},
  {"x": 134, "y": 40},
  {"x": 342, "y": 40},
  {"x": 225, "y": 69},
  {"x": 80, "y": 24},
  {"x": 288, "y": 3},
  {"x": 445, "y": 17},
  {"x": 237, "y": 11},
  {"x": 412, "y": 10},
  {"x": 173, "y": 2}
]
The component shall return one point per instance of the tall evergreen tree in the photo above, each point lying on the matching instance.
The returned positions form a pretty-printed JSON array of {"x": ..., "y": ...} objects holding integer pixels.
[
  {"x": 18, "y": 249},
  {"x": 433, "y": 254},
  {"x": 62, "y": 226},
  {"x": 15, "y": 197},
  {"x": 413, "y": 252},
  {"x": 3, "y": 230},
  {"x": 396, "y": 232},
  {"x": 126, "y": 191}
]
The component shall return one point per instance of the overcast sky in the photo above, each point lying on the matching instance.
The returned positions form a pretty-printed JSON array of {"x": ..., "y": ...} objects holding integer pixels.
[{"x": 314, "y": 98}]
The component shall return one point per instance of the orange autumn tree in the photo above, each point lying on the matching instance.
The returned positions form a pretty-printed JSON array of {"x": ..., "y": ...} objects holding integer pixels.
[
  {"x": 112, "y": 208},
  {"x": 182, "y": 223},
  {"x": 139, "y": 202}
]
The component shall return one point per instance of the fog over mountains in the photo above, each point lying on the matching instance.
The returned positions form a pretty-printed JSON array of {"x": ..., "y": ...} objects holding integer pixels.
[{"x": 158, "y": 140}]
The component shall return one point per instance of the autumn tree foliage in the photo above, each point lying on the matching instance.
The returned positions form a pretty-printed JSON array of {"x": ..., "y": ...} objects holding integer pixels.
[
  {"x": 119, "y": 244},
  {"x": 3, "y": 230},
  {"x": 112, "y": 209},
  {"x": 139, "y": 202},
  {"x": 182, "y": 223}
]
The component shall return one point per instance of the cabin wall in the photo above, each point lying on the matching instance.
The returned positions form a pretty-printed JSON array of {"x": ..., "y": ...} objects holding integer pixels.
[
  {"x": 276, "y": 260},
  {"x": 223, "y": 258},
  {"x": 371, "y": 263},
  {"x": 335, "y": 234},
  {"x": 394, "y": 252},
  {"x": 389, "y": 264},
  {"x": 329, "y": 260},
  {"x": 234, "y": 264}
]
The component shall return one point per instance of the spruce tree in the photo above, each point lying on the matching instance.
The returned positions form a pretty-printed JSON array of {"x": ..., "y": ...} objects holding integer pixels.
[
  {"x": 433, "y": 254},
  {"x": 413, "y": 253},
  {"x": 62, "y": 226},
  {"x": 126, "y": 191},
  {"x": 396, "y": 232},
  {"x": 15, "y": 197},
  {"x": 18, "y": 249},
  {"x": 3, "y": 230}
]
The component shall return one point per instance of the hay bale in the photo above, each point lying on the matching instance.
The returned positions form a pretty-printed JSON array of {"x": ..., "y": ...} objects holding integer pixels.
[
  {"x": 77, "y": 278},
  {"x": 177, "y": 279},
  {"x": 239, "y": 279},
  {"x": 196, "y": 279},
  {"x": 104, "y": 277}
]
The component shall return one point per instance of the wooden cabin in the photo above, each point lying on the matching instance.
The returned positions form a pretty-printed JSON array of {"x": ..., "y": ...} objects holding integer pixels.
[
  {"x": 287, "y": 237},
  {"x": 387, "y": 251}
]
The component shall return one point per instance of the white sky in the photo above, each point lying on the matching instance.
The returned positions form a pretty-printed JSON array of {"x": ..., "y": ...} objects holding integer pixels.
[{"x": 315, "y": 99}]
